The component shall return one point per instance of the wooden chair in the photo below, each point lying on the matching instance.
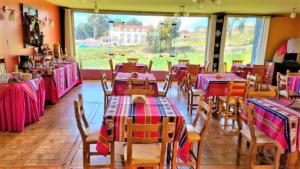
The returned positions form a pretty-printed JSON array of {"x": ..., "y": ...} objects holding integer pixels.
[
  {"x": 192, "y": 94},
  {"x": 206, "y": 67},
  {"x": 183, "y": 61},
  {"x": 166, "y": 87},
  {"x": 283, "y": 86},
  {"x": 143, "y": 87},
  {"x": 150, "y": 66},
  {"x": 191, "y": 75},
  {"x": 257, "y": 139},
  {"x": 272, "y": 93},
  {"x": 130, "y": 67},
  {"x": 171, "y": 72},
  {"x": 237, "y": 62},
  {"x": 132, "y": 60},
  {"x": 3, "y": 70},
  {"x": 88, "y": 134},
  {"x": 113, "y": 72},
  {"x": 225, "y": 67},
  {"x": 106, "y": 91},
  {"x": 231, "y": 101},
  {"x": 148, "y": 151},
  {"x": 196, "y": 134}
]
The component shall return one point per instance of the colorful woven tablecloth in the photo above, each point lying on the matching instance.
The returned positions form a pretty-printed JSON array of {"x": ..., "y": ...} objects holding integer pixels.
[
  {"x": 294, "y": 83},
  {"x": 21, "y": 104},
  {"x": 278, "y": 121},
  {"x": 62, "y": 80},
  {"x": 138, "y": 67},
  {"x": 213, "y": 86},
  {"x": 152, "y": 112},
  {"x": 120, "y": 87}
]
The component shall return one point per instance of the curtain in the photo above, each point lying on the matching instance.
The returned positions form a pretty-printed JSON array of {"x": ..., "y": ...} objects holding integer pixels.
[
  {"x": 210, "y": 40},
  {"x": 69, "y": 34},
  {"x": 260, "y": 40},
  {"x": 219, "y": 40}
]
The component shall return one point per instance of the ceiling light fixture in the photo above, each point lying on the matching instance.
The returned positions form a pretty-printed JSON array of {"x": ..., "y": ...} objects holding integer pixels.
[
  {"x": 96, "y": 9},
  {"x": 181, "y": 12},
  {"x": 293, "y": 14},
  {"x": 201, "y": 3}
]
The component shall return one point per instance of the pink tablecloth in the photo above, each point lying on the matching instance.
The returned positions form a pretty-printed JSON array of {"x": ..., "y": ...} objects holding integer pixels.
[
  {"x": 213, "y": 86},
  {"x": 62, "y": 80},
  {"x": 138, "y": 67},
  {"x": 180, "y": 70},
  {"x": 121, "y": 107},
  {"x": 21, "y": 104},
  {"x": 278, "y": 121},
  {"x": 294, "y": 83},
  {"x": 120, "y": 87}
]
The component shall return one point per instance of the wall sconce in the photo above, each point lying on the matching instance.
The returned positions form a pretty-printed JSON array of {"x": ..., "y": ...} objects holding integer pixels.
[
  {"x": 293, "y": 14},
  {"x": 12, "y": 14}
]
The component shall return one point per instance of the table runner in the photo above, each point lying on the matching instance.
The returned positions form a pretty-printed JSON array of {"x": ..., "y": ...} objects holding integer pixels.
[
  {"x": 278, "y": 121},
  {"x": 152, "y": 112},
  {"x": 139, "y": 67},
  {"x": 213, "y": 86},
  {"x": 21, "y": 104},
  {"x": 120, "y": 87}
]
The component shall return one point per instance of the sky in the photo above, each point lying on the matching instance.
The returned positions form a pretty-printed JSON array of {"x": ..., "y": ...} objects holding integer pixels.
[{"x": 188, "y": 23}]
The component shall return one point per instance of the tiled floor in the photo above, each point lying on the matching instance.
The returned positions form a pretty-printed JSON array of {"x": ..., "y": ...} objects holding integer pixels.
[{"x": 54, "y": 140}]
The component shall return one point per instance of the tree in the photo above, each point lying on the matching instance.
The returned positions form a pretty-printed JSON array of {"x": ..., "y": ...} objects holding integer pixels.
[
  {"x": 100, "y": 25},
  {"x": 134, "y": 22}
]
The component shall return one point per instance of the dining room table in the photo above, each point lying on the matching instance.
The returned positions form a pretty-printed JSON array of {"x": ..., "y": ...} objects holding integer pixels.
[
  {"x": 137, "y": 67},
  {"x": 121, "y": 83},
  {"x": 151, "y": 111},
  {"x": 181, "y": 71},
  {"x": 59, "y": 79},
  {"x": 21, "y": 104},
  {"x": 213, "y": 85},
  {"x": 279, "y": 121}
]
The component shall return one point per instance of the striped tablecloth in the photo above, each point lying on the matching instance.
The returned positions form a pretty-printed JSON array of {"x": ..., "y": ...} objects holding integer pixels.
[
  {"x": 278, "y": 121},
  {"x": 120, "y": 87},
  {"x": 152, "y": 112},
  {"x": 294, "y": 83},
  {"x": 213, "y": 86}
]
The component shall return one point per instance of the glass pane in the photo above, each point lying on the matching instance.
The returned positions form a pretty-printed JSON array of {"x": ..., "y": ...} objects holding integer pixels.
[
  {"x": 158, "y": 38},
  {"x": 240, "y": 39}
]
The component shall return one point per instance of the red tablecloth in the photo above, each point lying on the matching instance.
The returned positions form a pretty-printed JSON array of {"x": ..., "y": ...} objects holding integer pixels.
[
  {"x": 62, "y": 80},
  {"x": 213, "y": 86},
  {"x": 278, "y": 121},
  {"x": 21, "y": 104},
  {"x": 180, "y": 70},
  {"x": 152, "y": 112},
  {"x": 120, "y": 87},
  {"x": 294, "y": 83},
  {"x": 139, "y": 67}
]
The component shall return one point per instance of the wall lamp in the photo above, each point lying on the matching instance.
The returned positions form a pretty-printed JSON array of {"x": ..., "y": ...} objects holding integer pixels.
[{"x": 12, "y": 13}]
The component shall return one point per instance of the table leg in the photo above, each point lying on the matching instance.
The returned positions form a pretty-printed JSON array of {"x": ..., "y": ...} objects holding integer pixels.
[{"x": 292, "y": 160}]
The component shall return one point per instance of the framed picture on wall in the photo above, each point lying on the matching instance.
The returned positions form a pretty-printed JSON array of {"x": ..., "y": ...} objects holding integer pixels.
[{"x": 32, "y": 34}]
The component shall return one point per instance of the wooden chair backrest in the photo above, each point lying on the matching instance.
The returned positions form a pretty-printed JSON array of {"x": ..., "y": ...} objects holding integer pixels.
[
  {"x": 237, "y": 62},
  {"x": 238, "y": 88},
  {"x": 260, "y": 72},
  {"x": 143, "y": 89},
  {"x": 225, "y": 67},
  {"x": 104, "y": 82},
  {"x": 169, "y": 66},
  {"x": 193, "y": 69},
  {"x": 207, "y": 66},
  {"x": 3, "y": 70},
  {"x": 129, "y": 67},
  {"x": 252, "y": 81},
  {"x": 162, "y": 129},
  {"x": 111, "y": 65},
  {"x": 289, "y": 73},
  {"x": 79, "y": 115},
  {"x": 183, "y": 61},
  {"x": 203, "y": 116},
  {"x": 282, "y": 81},
  {"x": 262, "y": 94},
  {"x": 150, "y": 66},
  {"x": 132, "y": 60},
  {"x": 249, "y": 110},
  {"x": 167, "y": 83}
]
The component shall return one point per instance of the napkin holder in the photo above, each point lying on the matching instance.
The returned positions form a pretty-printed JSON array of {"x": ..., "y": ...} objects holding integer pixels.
[
  {"x": 134, "y": 75},
  {"x": 139, "y": 99},
  {"x": 219, "y": 75}
]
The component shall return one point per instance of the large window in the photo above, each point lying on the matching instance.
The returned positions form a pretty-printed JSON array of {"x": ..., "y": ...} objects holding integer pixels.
[
  {"x": 158, "y": 38},
  {"x": 242, "y": 37}
]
